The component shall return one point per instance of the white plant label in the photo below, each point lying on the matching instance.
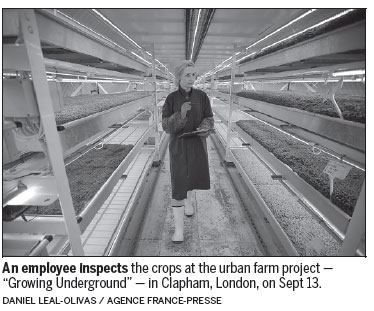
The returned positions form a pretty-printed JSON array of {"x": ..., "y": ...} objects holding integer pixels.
[{"x": 336, "y": 169}]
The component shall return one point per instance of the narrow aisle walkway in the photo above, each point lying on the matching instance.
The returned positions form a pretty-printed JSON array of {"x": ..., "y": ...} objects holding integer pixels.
[{"x": 219, "y": 227}]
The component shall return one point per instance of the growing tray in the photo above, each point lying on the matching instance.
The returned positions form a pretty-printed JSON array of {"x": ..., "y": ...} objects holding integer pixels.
[
  {"x": 307, "y": 165},
  {"x": 86, "y": 176},
  {"x": 79, "y": 107},
  {"x": 353, "y": 108}
]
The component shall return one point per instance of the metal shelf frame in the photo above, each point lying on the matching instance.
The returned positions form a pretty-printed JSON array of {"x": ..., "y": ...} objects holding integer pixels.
[
  {"x": 338, "y": 41},
  {"x": 343, "y": 39},
  {"x": 26, "y": 55},
  {"x": 74, "y": 37},
  {"x": 29, "y": 32},
  {"x": 350, "y": 134},
  {"x": 349, "y": 229},
  {"x": 96, "y": 125}
]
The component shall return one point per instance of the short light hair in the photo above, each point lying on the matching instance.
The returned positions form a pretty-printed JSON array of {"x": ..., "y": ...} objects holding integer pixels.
[{"x": 179, "y": 70}]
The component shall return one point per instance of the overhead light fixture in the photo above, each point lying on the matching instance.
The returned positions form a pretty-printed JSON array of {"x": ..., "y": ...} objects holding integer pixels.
[
  {"x": 66, "y": 74},
  {"x": 298, "y": 33},
  {"x": 133, "y": 53},
  {"x": 10, "y": 74},
  {"x": 89, "y": 80},
  {"x": 93, "y": 31},
  {"x": 274, "y": 32},
  {"x": 115, "y": 27},
  {"x": 194, "y": 37},
  {"x": 246, "y": 56},
  {"x": 311, "y": 27},
  {"x": 127, "y": 37},
  {"x": 281, "y": 28},
  {"x": 107, "y": 39},
  {"x": 269, "y": 35},
  {"x": 52, "y": 76},
  {"x": 349, "y": 73}
]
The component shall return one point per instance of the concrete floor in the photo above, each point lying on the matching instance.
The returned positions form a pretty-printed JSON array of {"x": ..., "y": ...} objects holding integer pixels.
[{"x": 219, "y": 227}]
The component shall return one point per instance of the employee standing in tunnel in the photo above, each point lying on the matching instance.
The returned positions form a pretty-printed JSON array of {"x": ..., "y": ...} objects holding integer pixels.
[{"x": 186, "y": 110}]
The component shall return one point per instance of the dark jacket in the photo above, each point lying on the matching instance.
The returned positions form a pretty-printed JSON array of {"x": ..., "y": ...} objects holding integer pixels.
[{"x": 189, "y": 166}]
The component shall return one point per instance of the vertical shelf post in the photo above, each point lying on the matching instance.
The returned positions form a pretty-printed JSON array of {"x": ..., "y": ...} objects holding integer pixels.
[
  {"x": 356, "y": 227},
  {"x": 47, "y": 117},
  {"x": 155, "y": 111},
  {"x": 228, "y": 157},
  {"x": 212, "y": 85},
  {"x": 211, "y": 89}
]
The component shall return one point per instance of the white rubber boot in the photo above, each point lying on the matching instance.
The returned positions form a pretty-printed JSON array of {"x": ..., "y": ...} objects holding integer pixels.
[
  {"x": 188, "y": 208},
  {"x": 178, "y": 224}
]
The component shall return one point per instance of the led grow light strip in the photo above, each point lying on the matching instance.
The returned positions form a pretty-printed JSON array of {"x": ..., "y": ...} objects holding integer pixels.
[
  {"x": 10, "y": 74},
  {"x": 194, "y": 37},
  {"x": 269, "y": 35},
  {"x": 311, "y": 27},
  {"x": 107, "y": 39},
  {"x": 133, "y": 53},
  {"x": 91, "y": 30},
  {"x": 274, "y": 32},
  {"x": 115, "y": 27},
  {"x": 51, "y": 75},
  {"x": 279, "y": 29},
  {"x": 298, "y": 33},
  {"x": 312, "y": 81},
  {"x": 167, "y": 70},
  {"x": 87, "y": 80},
  {"x": 349, "y": 73},
  {"x": 66, "y": 74},
  {"x": 128, "y": 38}
]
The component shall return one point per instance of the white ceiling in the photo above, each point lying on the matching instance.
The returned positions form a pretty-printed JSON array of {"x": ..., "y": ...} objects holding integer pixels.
[{"x": 166, "y": 29}]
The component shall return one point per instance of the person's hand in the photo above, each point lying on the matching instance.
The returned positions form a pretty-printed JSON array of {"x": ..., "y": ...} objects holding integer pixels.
[
  {"x": 185, "y": 107},
  {"x": 204, "y": 134}
]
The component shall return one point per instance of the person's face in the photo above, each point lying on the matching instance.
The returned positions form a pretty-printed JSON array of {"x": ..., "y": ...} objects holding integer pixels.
[{"x": 188, "y": 77}]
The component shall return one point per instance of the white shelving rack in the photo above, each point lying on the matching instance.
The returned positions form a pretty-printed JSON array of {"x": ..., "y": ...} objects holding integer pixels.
[
  {"x": 25, "y": 33},
  {"x": 313, "y": 59}
]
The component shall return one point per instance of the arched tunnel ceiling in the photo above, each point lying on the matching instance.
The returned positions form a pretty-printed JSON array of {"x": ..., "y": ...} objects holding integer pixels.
[
  {"x": 166, "y": 29},
  {"x": 241, "y": 27}
]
